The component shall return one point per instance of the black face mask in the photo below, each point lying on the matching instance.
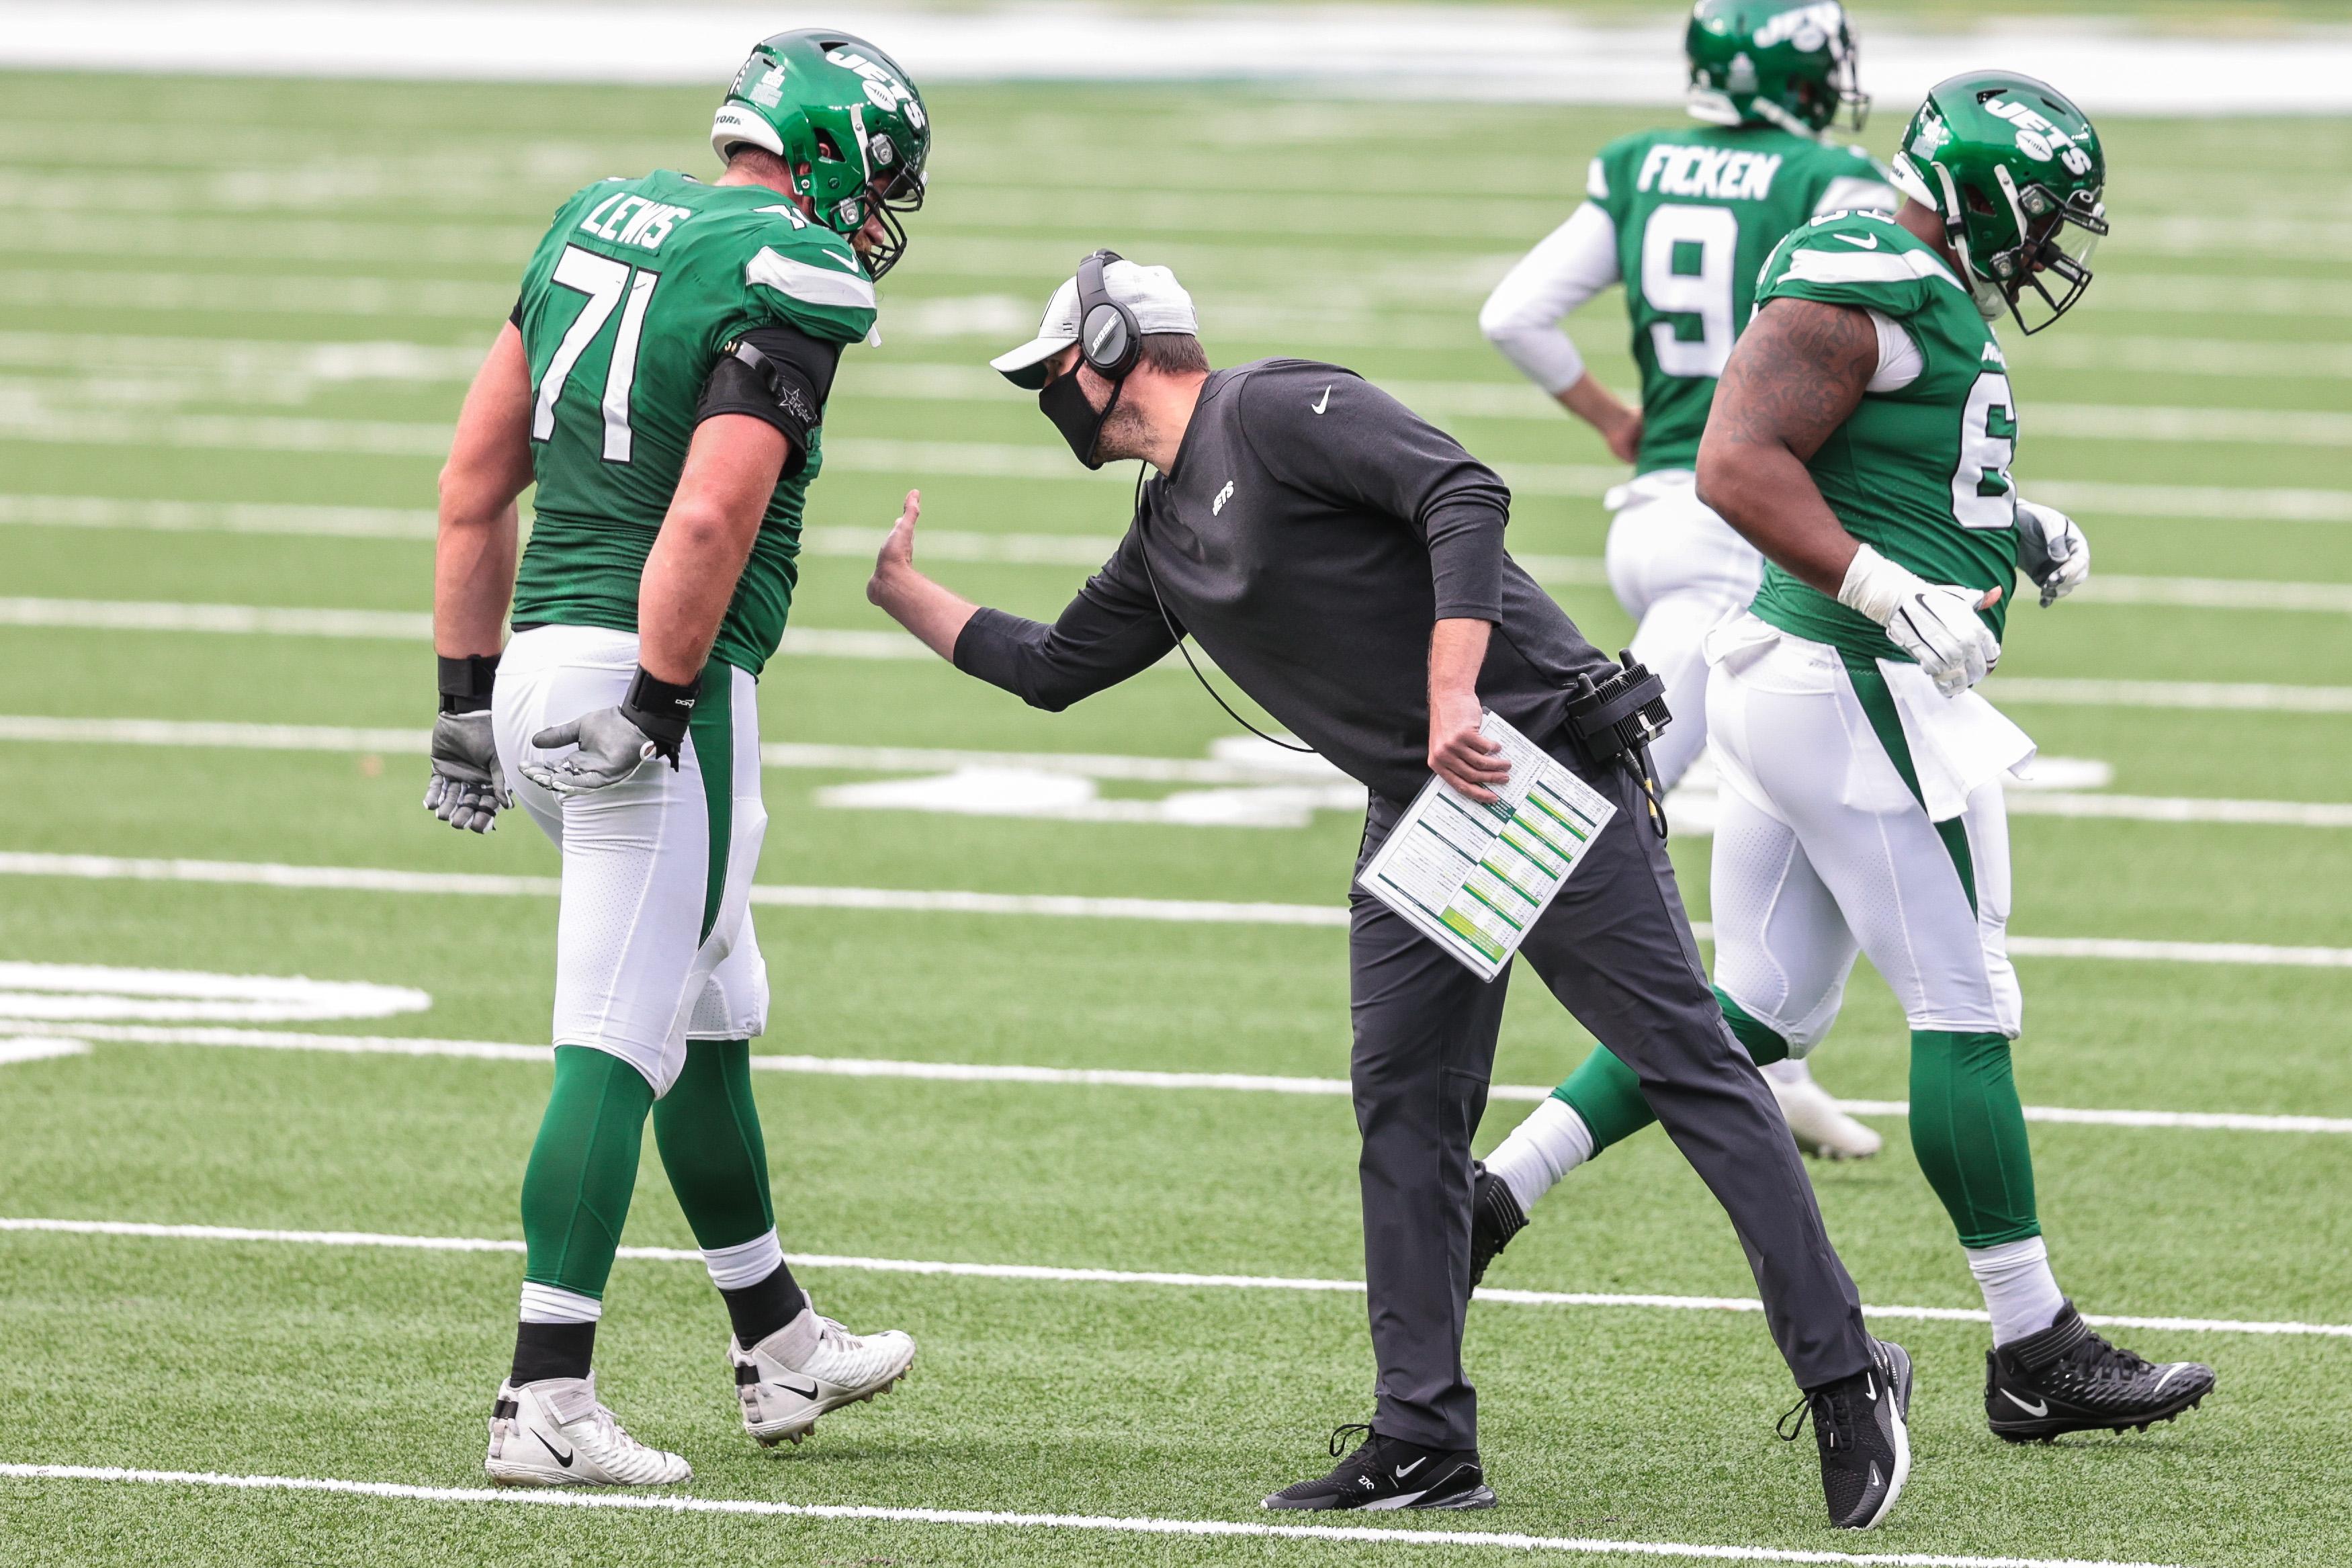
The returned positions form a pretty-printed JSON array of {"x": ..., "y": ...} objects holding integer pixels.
[{"x": 1080, "y": 425}]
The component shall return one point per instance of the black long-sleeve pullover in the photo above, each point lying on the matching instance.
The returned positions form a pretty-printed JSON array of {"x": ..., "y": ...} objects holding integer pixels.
[{"x": 1309, "y": 536}]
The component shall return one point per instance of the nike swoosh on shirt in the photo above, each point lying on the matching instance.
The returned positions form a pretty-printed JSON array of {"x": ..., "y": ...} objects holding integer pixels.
[
  {"x": 561, "y": 1457},
  {"x": 1323, "y": 402},
  {"x": 1867, "y": 241},
  {"x": 2034, "y": 1410}
]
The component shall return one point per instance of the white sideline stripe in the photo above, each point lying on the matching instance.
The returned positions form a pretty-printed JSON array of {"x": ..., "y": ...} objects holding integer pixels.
[
  {"x": 1110, "y": 1078},
  {"x": 1045, "y": 1274},
  {"x": 237, "y": 736},
  {"x": 36, "y": 1048},
  {"x": 1189, "y": 911},
  {"x": 1110, "y": 1523}
]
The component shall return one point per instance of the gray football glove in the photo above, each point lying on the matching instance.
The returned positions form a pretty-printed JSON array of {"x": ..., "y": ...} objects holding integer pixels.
[
  {"x": 2052, "y": 551},
  {"x": 467, "y": 789},
  {"x": 611, "y": 747}
]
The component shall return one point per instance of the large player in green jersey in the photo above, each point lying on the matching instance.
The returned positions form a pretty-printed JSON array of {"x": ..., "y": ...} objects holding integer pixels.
[
  {"x": 1683, "y": 219},
  {"x": 1862, "y": 438},
  {"x": 664, "y": 380}
]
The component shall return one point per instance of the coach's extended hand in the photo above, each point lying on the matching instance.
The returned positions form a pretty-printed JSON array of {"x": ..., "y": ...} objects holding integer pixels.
[{"x": 468, "y": 789}]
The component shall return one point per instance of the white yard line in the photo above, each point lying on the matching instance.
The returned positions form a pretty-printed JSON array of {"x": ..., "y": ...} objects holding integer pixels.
[
  {"x": 640, "y": 1502},
  {"x": 40, "y": 1048},
  {"x": 1186, "y": 911},
  {"x": 788, "y": 754},
  {"x": 231, "y": 1038},
  {"x": 1045, "y": 1274},
  {"x": 400, "y": 626},
  {"x": 2193, "y": 695}
]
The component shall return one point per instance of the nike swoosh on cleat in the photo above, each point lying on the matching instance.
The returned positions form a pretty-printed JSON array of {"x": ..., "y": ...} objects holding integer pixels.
[
  {"x": 1323, "y": 402},
  {"x": 1405, "y": 1471},
  {"x": 2036, "y": 1411},
  {"x": 561, "y": 1457},
  {"x": 808, "y": 1393},
  {"x": 1867, "y": 241},
  {"x": 1875, "y": 1478},
  {"x": 2169, "y": 1373}
]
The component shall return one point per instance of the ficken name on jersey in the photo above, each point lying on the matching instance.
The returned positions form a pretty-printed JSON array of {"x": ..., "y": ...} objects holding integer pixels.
[
  {"x": 633, "y": 220},
  {"x": 1718, "y": 172}
]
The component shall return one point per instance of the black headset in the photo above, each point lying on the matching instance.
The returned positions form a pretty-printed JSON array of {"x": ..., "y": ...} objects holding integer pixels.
[{"x": 1109, "y": 340}]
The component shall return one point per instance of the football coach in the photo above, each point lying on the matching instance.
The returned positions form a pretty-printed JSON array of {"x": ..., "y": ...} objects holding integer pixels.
[{"x": 1342, "y": 560}]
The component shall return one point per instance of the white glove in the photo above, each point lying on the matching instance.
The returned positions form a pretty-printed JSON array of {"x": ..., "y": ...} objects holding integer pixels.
[
  {"x": 467, "y": 789},
  {"x": 611, "y": 747},
  {"x": 1935, "y": 623},
  {"x": 2052, "y": 551}
]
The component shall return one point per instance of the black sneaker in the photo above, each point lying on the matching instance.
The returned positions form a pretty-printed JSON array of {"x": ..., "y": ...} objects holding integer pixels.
[
  {"x": 1388, "y": 1473},
  {"x": 2068, "y": 1379},
  {"x": 1494, "y": 1217},
  {"x": 1862, "y": 1426}
]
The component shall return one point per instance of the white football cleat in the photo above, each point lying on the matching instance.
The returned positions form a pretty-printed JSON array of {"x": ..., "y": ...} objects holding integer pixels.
[
  {"x": 809, "y": 1366},
  {"x": 553, "y": 1432},
  {"x": 1823, "y": 1130}
]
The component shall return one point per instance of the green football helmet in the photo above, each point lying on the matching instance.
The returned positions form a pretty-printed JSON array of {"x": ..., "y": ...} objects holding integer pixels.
[
  {"x": 846, "y": 119},
  {"x": 1789, "y": 63},
  {"x": 2016, "y": 173}
]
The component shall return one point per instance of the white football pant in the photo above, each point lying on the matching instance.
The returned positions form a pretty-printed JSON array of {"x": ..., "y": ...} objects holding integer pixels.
[
  {"x": 1821, "y": 848},
  {"x": 653, "y": 946},
  {"x": 1678, "y": 569}
]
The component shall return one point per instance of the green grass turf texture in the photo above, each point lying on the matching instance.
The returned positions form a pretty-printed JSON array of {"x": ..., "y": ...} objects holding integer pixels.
[{"x": 1343, "y": 230}]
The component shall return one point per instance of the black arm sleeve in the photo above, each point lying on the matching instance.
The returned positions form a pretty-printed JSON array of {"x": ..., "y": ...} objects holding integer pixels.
[
  {"x": 1364, "y": 449},
  {"x": 780, "y": 374},
  {"x": 1111, "y": 630}
]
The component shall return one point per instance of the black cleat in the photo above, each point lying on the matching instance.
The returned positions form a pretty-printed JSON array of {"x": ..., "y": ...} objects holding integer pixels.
[
  {"x": 1494, "y": 1217},
  {"x": 1390, "y": 1473},
  {"x": 2068, "y": 1379},
  {"x": 1863, "y": 1427}
]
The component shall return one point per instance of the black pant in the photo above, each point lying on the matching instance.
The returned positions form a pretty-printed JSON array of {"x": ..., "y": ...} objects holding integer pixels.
[{"x": 1616, "y": 949}]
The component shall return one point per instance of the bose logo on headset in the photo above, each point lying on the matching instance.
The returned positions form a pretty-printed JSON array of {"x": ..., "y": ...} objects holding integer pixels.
[{"x": 1107, "y": 334}]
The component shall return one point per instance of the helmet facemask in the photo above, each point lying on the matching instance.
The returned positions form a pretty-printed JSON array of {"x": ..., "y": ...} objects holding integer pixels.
[{"x": 2054, "y": 237}]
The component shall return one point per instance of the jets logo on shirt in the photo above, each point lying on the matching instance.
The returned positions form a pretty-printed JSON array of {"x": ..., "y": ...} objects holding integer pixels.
[{"x": 1224, "y": 496}]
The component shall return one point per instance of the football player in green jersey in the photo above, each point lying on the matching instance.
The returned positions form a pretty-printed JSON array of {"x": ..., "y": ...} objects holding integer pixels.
[
  {"x": 1861, "y": 438},
  {"x": 663, "y": 380},
  {"x": 1683, "y": 219}
]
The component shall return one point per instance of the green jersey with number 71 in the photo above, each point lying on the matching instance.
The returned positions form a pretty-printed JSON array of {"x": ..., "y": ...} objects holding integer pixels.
[
  {"x": 1919, "y": 471},
  {"x": 638, "y": 290}
]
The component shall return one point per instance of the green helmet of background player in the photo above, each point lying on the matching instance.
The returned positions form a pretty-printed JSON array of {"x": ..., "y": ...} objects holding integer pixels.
[
  {"x": 2016, "y": 173},
  {"x": 1789, "y": 63},
  {"x": 847, "y": 120}
]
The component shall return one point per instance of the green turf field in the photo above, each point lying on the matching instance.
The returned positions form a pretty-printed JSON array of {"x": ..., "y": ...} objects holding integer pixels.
[{"x": 234, "y": 321}]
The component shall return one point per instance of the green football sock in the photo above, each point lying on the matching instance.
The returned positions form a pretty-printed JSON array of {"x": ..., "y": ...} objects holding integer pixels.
[
  {"x": 708, "y": 1131},
  {"x": 1607, "y": 1095},
  {"x": 1764, "y": 1044},
  {"x": 1967, "y": 1131},
  {"x": 584, "y": 1167}
]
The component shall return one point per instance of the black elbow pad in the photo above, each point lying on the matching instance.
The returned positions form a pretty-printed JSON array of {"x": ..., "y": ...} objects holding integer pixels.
[{"x": 778, "y": 375}]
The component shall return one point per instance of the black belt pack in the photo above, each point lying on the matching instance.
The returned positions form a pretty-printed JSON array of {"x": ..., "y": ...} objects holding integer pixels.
[{"x": 1617, "y": 717}]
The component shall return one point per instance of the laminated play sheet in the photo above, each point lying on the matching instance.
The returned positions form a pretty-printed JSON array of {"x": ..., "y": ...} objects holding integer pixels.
[{"x": 1474, "y": 877}]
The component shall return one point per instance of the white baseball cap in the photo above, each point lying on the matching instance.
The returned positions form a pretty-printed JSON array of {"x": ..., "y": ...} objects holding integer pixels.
[{"x": 1159, "y": 302}]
